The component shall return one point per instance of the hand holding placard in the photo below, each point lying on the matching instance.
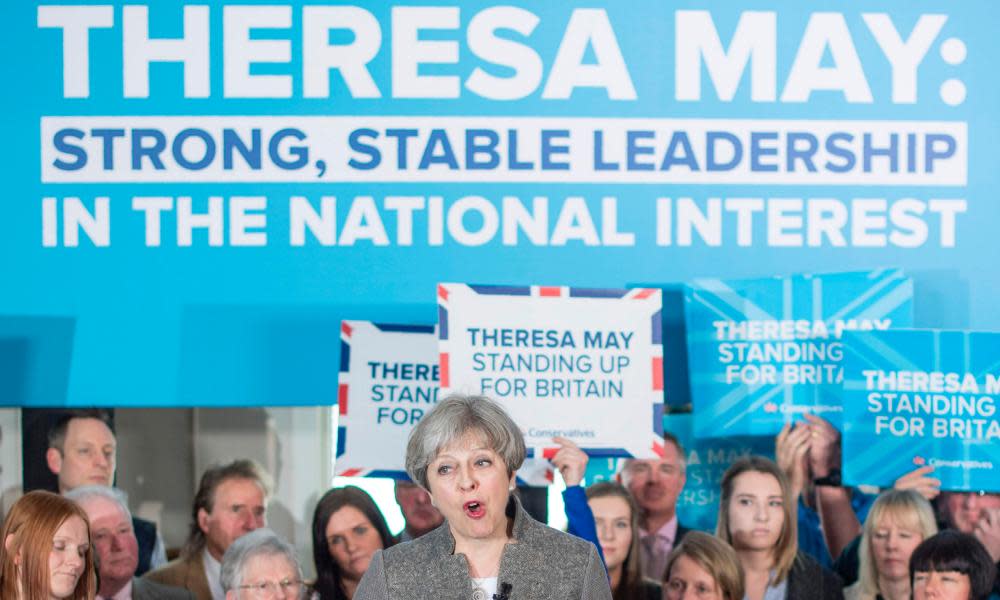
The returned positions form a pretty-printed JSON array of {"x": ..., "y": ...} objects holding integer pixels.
[
  {"x": 570, "y": 461},
  {"x": 824, "y": 449},
  {"x": 918, "y": 480},
  {"x": 790, "y": 448}
]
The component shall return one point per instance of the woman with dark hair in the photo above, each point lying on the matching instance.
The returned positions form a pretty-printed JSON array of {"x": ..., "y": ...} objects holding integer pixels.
[
  {"x": 703, "y": 567},
  {"x": 347, "y": 529},
  {"x": 756, "y": 519},
  {"x": 951, "y": 566},
  {"x": 46, "y": 550},
  {"x": 617, "y": 519}
]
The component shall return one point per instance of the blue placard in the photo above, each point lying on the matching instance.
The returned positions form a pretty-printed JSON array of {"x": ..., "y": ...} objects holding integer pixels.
[
  {"x": 915, "y": 398},
  {"x": 707, "y": 461},
  {"x": 764, "y": 350}
]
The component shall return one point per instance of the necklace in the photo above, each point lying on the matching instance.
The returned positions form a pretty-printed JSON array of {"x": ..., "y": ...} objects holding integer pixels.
[{"x": 479, "y": 588}]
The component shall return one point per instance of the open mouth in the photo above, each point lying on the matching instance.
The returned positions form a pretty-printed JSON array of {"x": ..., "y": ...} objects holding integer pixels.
[{"x": 474, "y": 509}]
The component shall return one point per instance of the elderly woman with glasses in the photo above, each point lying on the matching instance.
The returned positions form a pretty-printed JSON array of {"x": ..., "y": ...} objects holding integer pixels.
[
  {"x": 465, "y": 452},
  {"x": 261, "y": 566}
]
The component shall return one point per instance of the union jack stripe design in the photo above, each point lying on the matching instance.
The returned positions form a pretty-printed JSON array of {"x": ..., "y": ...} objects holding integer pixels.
[
  {"x": 452, "y": 297},
  {"x": 371, "y": 443}
]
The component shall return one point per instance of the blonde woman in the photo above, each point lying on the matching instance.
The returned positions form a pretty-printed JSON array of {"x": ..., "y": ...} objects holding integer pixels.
[{"x": 897, "y": 523}]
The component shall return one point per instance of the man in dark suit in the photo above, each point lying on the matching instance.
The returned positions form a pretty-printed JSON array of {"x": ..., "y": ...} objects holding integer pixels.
[
  {"x": 656, "y": 484},
  {"x": 116, "y": 550},
  {"x": 82, "y": 450}
]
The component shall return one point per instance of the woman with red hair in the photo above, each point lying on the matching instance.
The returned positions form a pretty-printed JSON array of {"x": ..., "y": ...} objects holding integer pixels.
[{"x": 46, "y": 552}]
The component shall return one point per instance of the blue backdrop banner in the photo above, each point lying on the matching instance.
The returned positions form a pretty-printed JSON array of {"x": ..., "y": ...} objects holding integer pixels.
[
  {"x": 197, "y": 194},
  {"x": 917, "y": 398},
  {"x": 763, "y": 350}
]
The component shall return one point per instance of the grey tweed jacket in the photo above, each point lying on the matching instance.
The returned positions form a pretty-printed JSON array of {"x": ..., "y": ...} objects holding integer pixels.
[{"x": 541, "y": 564}]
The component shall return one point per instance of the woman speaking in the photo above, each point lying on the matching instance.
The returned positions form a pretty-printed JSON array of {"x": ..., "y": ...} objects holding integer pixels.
[{"x": 465, "y": 452}]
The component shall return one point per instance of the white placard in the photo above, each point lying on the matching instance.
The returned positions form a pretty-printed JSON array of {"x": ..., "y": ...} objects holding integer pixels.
[
  {"x": 388, "y": 381},
  {"x": 585, "y": 364}
]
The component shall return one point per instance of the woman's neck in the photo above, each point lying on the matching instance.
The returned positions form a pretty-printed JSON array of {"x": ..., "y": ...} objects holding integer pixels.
[
  {"x": 757, "y": 565},
  {"x": 894, "y": 589},
  {"x": 483, "y": 555},
  {"x": 761, "y": 561},
  {"x": 615, "y": 575},
  {"x": 349, "y": 586}
]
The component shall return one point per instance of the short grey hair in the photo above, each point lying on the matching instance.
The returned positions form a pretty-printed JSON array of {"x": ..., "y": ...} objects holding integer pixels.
[
  {"x": 87, "y": 493},
  {"x": 454, "y": 417},
  {"x": 259, "y": 542}
]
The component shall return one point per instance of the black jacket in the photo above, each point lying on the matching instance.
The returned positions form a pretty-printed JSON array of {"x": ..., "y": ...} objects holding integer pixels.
[
  {"x": 807, "y": 580},
  {"x": 145, "y": 535}
]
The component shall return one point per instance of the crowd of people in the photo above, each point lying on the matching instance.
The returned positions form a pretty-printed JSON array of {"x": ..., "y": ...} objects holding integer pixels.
[{"x": 786, "y": 529}]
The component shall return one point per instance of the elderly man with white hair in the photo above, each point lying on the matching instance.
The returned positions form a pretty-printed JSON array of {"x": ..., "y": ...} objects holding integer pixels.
[
  {"x": 115, "y": 547},
  {"x": 260, "y": 565}
]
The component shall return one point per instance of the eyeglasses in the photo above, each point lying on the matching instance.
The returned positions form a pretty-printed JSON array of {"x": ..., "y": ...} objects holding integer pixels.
[
  {"x": 286, "y": 588},
  {"x": 675, "y": 588}
]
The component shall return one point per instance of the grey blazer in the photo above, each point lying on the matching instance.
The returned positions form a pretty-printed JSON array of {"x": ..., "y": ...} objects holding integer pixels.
[
  {"x": 541, "y": 564},
  {"x": 144, "y": 589}
]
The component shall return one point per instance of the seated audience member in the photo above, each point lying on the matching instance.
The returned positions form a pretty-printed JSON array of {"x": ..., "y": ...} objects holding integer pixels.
[
  {"x": 703, "y": 567},
  {"x": 261, "y": 565},
  {"x": 419, "y": 514},
  {"x": 828, "y": 515},
  {"x": 83, "y": 451},
  {"x": 46, "y": 553},
  {"x": 117, "y": 551},
  {"x": 617, "y": 519},
  {"x": 897, "y": 522},
  {"x": 230, "y": 502},
  {"x": 951, "y": 566},
  {"x": 347, "y": 529},
  {"x": 656, "y": 485},
  {"x": 756, "y": 519}
]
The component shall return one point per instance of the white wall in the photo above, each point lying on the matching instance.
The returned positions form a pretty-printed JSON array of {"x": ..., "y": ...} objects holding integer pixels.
[{"x": 10, "y": 457}]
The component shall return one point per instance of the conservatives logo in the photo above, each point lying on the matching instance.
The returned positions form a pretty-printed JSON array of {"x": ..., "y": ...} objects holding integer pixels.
[
  {"x": 791, "y": 409},
  {"x": 961, "y": 464}
]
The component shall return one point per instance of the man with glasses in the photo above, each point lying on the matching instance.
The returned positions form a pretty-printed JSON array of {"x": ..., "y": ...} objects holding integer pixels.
[{"x": 261, "y": 566}]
